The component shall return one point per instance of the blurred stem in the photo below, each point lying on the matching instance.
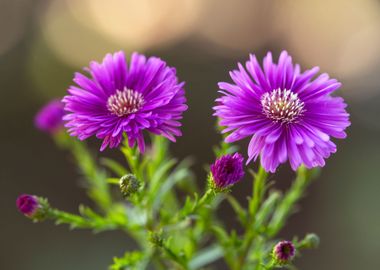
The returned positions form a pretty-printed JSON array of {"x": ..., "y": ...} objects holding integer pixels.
[
  {"x": 206, "y": 198},
  {"x": 285, "y": 207},
  {"x": 157, "y": 260},
  {"x": 254, "y": 204},
  {"x": 132, "y": 157},
  {"x": 96, "y": 179},
  {"x": 67, "y": 218},
  {"x": 197, "y": 204},
  {"x": 113, "y": 181},
  {"x": 78, "y": 221},
  {"x": 257, "y": 192},
  {"x": 268, "y": 266}
]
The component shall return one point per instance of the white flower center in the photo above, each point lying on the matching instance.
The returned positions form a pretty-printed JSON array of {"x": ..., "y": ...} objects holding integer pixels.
[
  {"x": 125, "y": 102},
  {"x": 282, "y": 106}
]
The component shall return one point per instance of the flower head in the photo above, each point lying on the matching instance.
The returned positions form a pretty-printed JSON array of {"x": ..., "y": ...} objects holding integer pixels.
[
  {"x": 27, "y": 204},
  {"x": 227, "y": 170},
  {"x": 283, "y": 252},
  {"x": 287, "y": 114},
  {"x": 118, "y": 99},
  {"x": 49, "y": 118}
]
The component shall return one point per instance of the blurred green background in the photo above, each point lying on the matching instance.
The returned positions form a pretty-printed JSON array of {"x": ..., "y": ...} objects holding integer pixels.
[{"x": 43, "y": 42}]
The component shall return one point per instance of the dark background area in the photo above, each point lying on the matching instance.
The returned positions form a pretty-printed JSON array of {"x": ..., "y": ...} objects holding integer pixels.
[{"x": 43, "y": 42}]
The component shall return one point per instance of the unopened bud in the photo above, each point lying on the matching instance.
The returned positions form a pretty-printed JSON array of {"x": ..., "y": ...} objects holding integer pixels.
[
  {"x": 311, "y": 240},
  {"x": 32, "y": 206},
  {"x": 129, "y": 185},
  {"x": 226, "y": 171},
  {"x": 283, "y": 252},
  {"x": 49, "y": 118}
]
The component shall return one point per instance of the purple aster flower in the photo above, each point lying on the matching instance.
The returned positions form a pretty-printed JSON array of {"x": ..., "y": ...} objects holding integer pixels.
[
  {"x": 287, "y": 114},
  {"x": 27, "y": 204},
  {"x": 284, "y": 252},
  {"x": 49, "y": 118},
  {"x": 227, "y": 170},
  {"x": 118, "y": 98}
]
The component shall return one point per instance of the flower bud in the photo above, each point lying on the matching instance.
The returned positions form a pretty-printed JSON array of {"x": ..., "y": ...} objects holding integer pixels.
[
  {"x": 32, "y": 206},
  {"x": 49, "y": 118},
  {"x": 226, "y": 171},
  {"x": 129, "y": 185},
  {"x": 283, "y": 252},
  {"x": 311, "y": 240}
]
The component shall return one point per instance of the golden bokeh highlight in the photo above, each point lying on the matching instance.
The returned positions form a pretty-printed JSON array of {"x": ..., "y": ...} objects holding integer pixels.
[
  {"x": 72, "y": 41},
  {"x": 81, "y": 30},
  {"x": 140, "y": 24},
  {"x": 341, "y": 36},
  {"x": 237, "y": 27}
]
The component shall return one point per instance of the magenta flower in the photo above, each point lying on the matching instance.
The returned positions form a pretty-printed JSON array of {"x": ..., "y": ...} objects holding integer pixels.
[
  {"x": 118, "y": 99},
  {"x": 49, "y": 118},
  {"x": 284, "y": 252},
  {"x": 288, "y": 115},
  {"x": 227, "y": 170},
  {"x": 27, "y": 204}
]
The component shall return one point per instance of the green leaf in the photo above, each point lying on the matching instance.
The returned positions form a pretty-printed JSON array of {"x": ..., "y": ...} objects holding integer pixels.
[
  {"x": 266, "y": 210},
  {"x": 158, "y": 175},
  {"x": 239, "y": 210},
  {"x": 134, "y": 260},
  {"x": 114, "y": 166},
  {"x": 206, "y": 256},
  {"x": 179, "y": 174},
  {"x": 95, "y": 178},
  {"x": 292, "y": 196},
  {"x": 221, "y": 234}
]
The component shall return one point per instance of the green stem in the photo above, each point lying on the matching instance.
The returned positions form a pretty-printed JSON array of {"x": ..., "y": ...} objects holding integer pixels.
[
  {"x": 157, "y": 259},
  {"x": 268, "y": 266},
  {"x": 284, "y": 209},
  {"x": 98, "y": 189},
  {"x": 198, "y": 204},
  {"x": 239, "y": 210},
  {"x": 257, "y": 192},
  {"x": 254, "y": 204},
  {"x": 77, "y": 221},
  {"x": 113, "y": 181},
  {"x": 68, "y": 218},
  {"x": 209, "y": 194},
  {"x": 182, "y": 265}
]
